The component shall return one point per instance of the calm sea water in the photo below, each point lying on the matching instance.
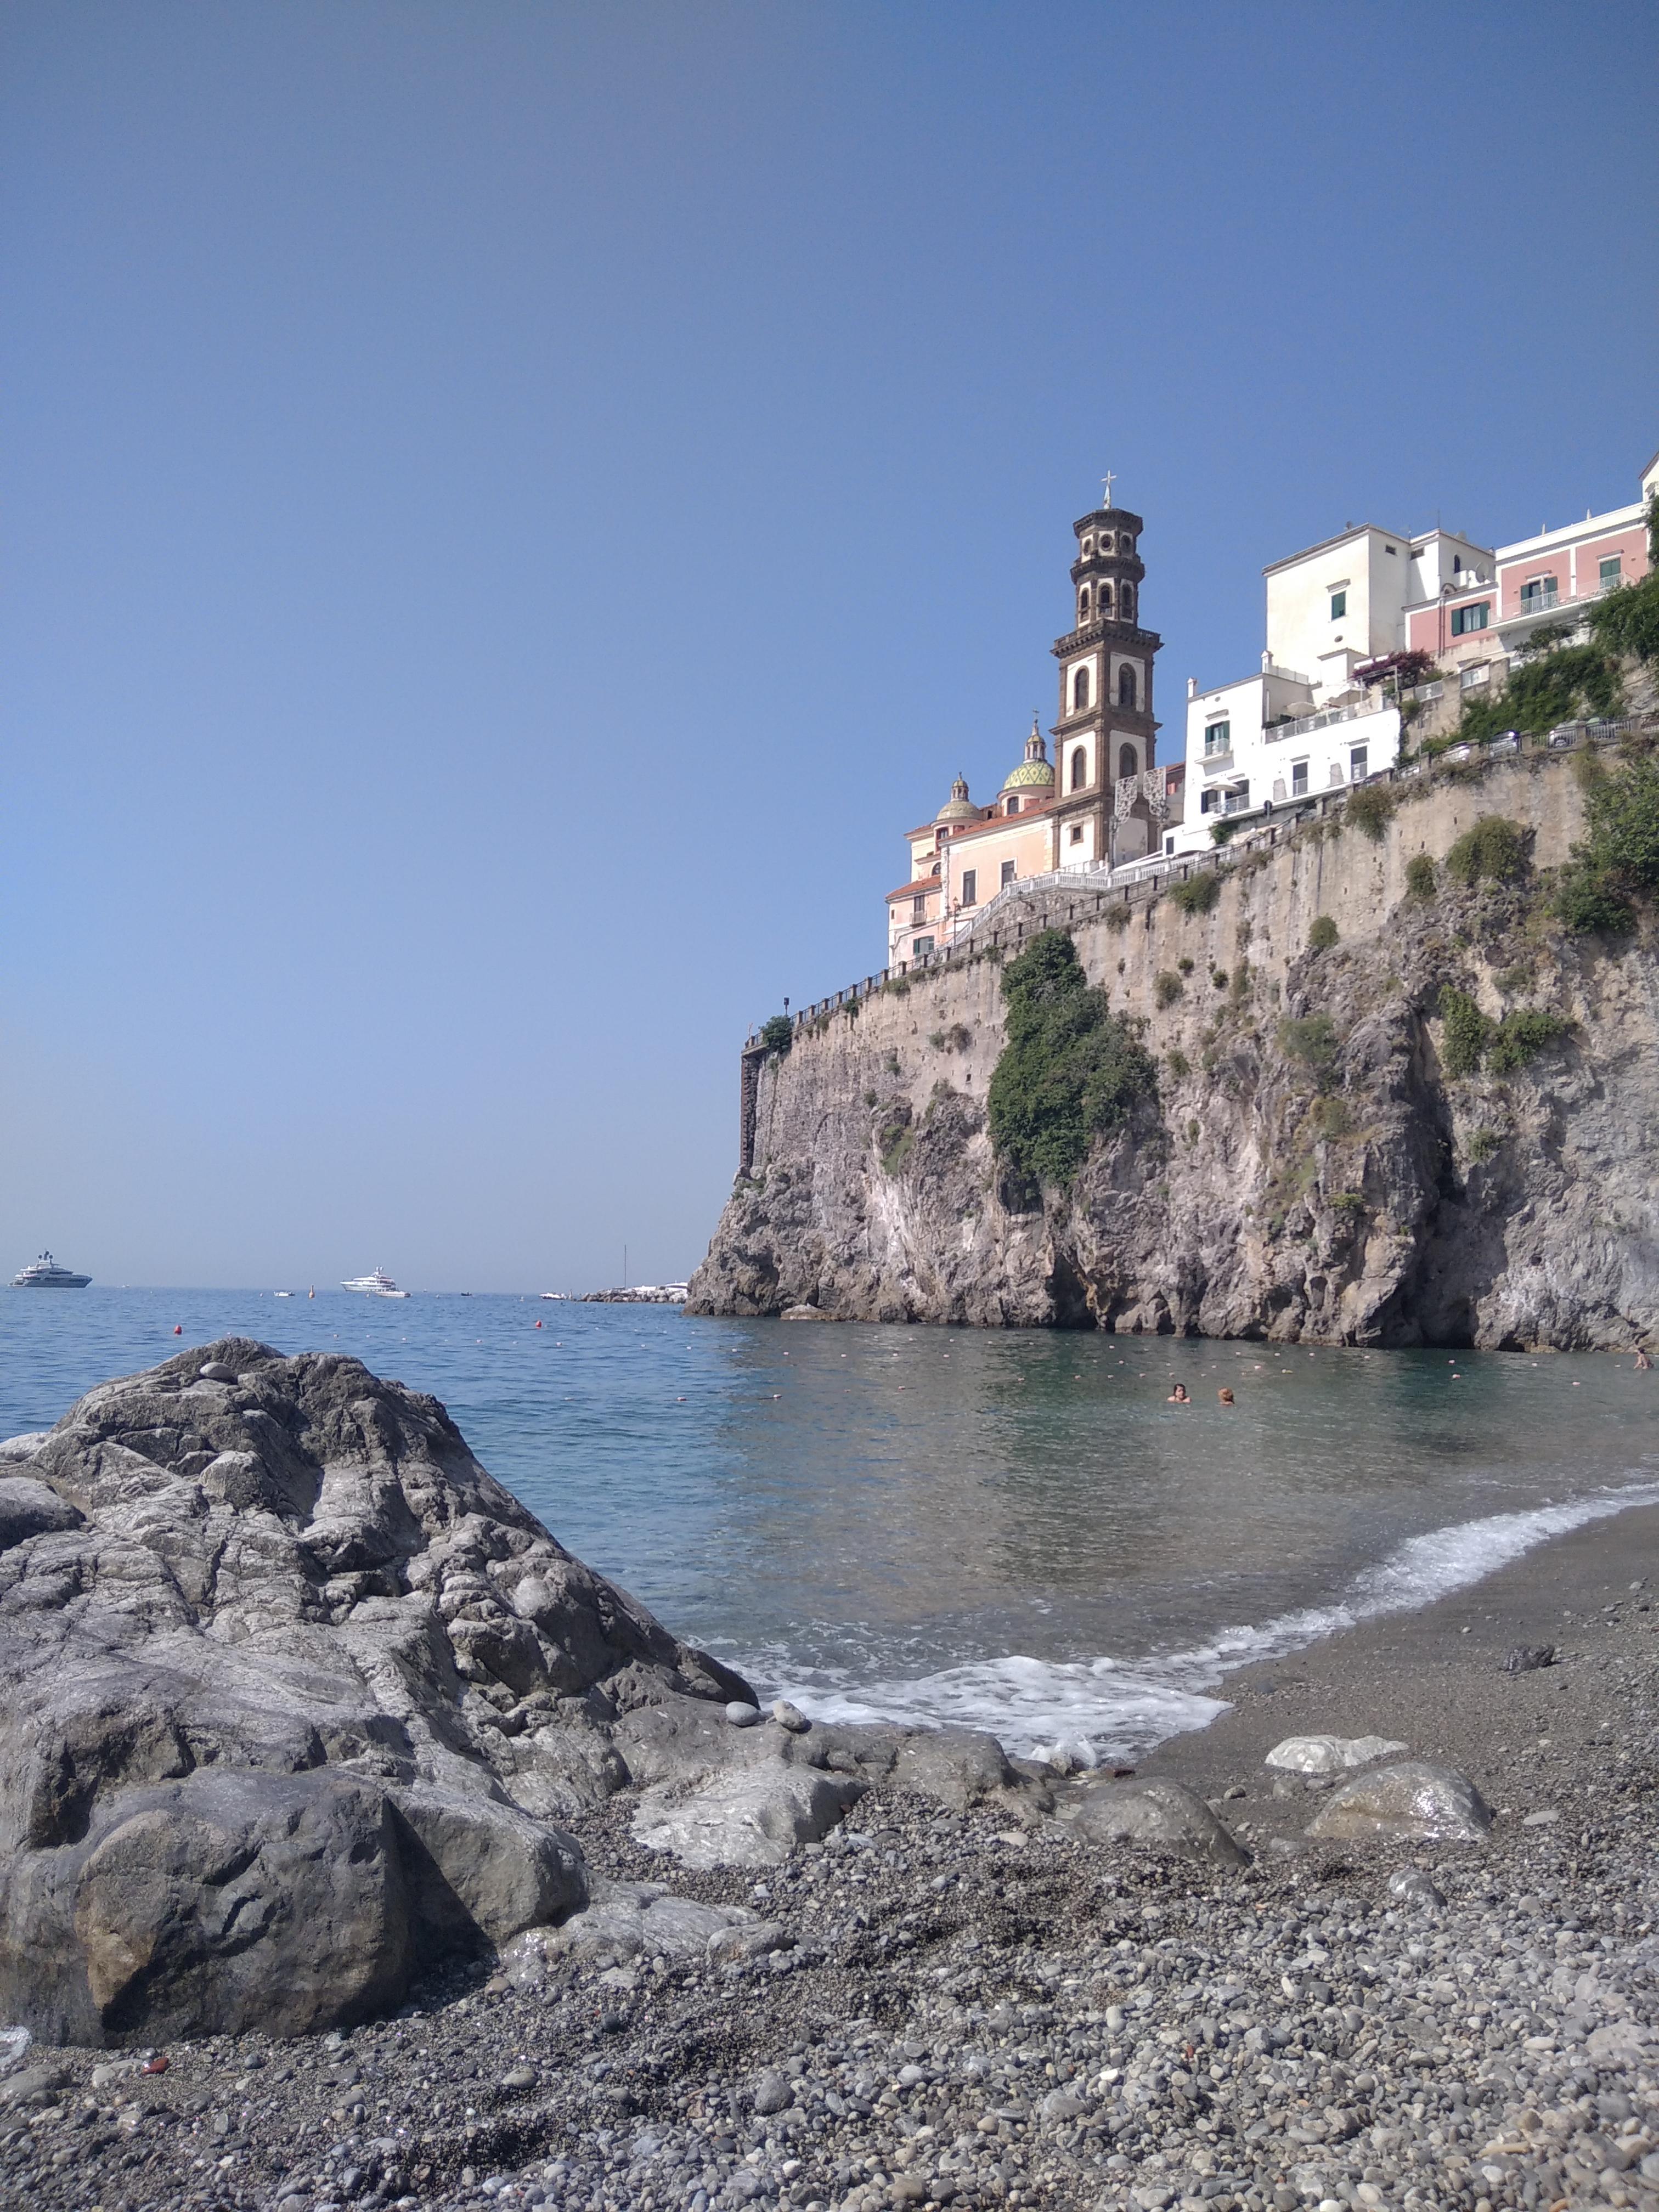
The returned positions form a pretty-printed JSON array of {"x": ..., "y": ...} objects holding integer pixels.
[{"x": 1014, "y": 1530}]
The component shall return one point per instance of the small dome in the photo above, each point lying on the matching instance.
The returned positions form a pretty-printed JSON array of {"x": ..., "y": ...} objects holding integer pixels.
[
  {"x": 958, "y": 807},
  {"x": 1035, "y": 768}
]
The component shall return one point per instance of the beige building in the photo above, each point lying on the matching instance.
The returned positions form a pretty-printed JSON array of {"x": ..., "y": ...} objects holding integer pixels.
[{"x": 1101, "y": 800}]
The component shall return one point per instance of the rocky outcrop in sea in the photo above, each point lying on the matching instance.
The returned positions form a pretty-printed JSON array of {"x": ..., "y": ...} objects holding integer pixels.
[{"x": 1429, "y": 1120}]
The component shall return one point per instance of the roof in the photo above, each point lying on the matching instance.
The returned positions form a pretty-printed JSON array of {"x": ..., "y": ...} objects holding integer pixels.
[
  {"x": 921, "y": 883},
  {"x": 1030, "y": 772},
  {"x": 1358, "y": 530}
]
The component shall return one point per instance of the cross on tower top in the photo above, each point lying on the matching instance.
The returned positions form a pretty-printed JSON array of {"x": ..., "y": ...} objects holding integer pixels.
[{"x": 1106, "y": 484}]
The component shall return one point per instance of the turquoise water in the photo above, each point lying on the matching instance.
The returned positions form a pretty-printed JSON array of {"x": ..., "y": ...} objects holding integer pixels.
[{"x": 1012, "y": 1529}]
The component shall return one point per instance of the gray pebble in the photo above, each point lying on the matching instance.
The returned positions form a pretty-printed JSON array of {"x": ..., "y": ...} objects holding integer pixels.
[{"x": 742, "y": 1715}]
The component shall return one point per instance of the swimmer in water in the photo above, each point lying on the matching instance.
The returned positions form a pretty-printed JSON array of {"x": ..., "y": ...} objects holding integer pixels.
[
  {"x": 1642, "y": 1359},
  {"x": 1226, "y": 1396},
  {"x": 1178, "y": 1396}
]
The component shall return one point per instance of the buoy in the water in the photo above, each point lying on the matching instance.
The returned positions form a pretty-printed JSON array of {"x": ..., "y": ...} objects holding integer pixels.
[
  {"x": 178, "y": 1328},
  {"x": 539, "y": 1324}
]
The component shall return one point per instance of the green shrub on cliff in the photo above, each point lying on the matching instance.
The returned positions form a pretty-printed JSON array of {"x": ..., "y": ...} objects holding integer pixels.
[
  {"x": 1313, "y": 1040},
  {"x": 778, "y": 1034},
  {"x": 1198, "y": 894},
  {"x": 1468, "y": 1032},
  {"x": 1619, "y": 860},
  {"x": 1322, "y": 935},
  {"x": 1419, "y": 877},
  {"x": 1495, "y": 848},
  {"x": 1070, "y": 1070},
  {"x": 1473, "y": 1040},
  {"x": 1372, "y": 809}
]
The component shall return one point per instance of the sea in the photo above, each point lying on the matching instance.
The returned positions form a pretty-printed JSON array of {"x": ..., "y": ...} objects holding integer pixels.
[{"x": 1013, "y": 1530}]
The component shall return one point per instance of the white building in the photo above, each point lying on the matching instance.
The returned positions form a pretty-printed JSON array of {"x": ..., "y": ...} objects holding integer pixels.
[
  {"x": 1266, "y": 742},
  {"x": 1343, "y": 603}
]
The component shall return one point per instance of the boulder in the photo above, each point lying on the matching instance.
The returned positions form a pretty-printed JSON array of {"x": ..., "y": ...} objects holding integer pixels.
[
  {"x": 627, "y": 1918},
  {"x": 28, "y": 1509},
  {"x": 291, "y": 1694},
  {"x": 1411, "y": 1801},
  {"x": 756, "y": 1815},
  {"x": 1152, "y": 1810},
  {"x": 1329, "y": 1754}
]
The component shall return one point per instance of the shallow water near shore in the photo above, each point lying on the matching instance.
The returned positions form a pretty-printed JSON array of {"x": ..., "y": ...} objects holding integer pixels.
[{"x": 1012, "y": 1530}]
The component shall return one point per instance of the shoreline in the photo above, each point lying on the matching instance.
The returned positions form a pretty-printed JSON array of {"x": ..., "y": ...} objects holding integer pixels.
[{"x": 976, "y": 2008}]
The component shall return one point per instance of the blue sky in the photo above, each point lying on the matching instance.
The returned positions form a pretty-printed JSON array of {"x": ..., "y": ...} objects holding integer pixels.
[{"x": 509, "y": 511}]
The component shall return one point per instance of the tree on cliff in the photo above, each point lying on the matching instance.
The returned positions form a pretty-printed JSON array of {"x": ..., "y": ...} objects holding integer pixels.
[{"x": 1070, "y": 1070}]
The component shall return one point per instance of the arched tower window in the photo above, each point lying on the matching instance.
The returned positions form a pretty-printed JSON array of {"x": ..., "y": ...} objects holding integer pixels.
[
  {"x": 1080, "y": 768},
  {"x": 1079, "y": 690},
  {"x": 1125, "y": 760},
  {"x": 1083, "y": 606},
  {"x": 1126, "y": 603},
  {"x": 1126, "y": 687},
  {"x": 1105, "y": 601},
  {"x": 1012, "y": 806}
]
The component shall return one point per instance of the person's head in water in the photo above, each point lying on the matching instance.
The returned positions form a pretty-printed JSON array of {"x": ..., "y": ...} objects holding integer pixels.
[
  {"x": 1177, "y": 1396},
  {"x": 1226, "y": 1396}
]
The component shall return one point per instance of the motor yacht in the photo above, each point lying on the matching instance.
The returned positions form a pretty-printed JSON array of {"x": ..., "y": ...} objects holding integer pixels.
[
  {"x": 379, "y": 1285},
  {"x": 46, "y": 1274}
]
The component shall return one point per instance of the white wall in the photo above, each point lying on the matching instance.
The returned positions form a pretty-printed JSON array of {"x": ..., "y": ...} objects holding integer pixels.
[{"x": 1373, "y": 568}]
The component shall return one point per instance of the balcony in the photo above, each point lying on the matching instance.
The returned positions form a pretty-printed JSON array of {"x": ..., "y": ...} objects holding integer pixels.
[{"x": 1307, "y": 723}]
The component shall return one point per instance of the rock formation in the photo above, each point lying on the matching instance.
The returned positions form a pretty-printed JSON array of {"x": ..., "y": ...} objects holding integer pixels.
[
  {"x": 292, "y": 1694},
  {"x": 1316, "y": 1165}
]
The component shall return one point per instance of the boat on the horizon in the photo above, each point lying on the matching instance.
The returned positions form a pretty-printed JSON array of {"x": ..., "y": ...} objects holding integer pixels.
[
  {"x": 379, "y": 1285},
  {"x": 281, "y": 1294},
  {"x": 46, "y": 1274}
]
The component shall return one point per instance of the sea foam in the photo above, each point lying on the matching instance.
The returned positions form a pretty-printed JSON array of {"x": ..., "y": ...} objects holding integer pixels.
[{"x": 1108, "y": 1708}]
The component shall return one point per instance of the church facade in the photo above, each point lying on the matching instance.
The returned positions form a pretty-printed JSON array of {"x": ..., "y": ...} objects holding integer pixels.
[{"x": 1101, "y": 800}]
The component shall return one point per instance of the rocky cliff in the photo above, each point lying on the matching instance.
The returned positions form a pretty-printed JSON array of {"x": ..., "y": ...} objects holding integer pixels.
[{"x": 1320, "y": 1160}]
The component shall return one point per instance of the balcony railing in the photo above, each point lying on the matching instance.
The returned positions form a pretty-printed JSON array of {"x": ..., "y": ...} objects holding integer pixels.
[{"x": 1307, "y": 723}]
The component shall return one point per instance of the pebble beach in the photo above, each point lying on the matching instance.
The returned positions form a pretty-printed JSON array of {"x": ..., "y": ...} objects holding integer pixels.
[{"x": 938, "y": 2008}]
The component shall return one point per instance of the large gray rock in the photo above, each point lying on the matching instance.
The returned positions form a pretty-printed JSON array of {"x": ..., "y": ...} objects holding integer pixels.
[
  {"x": 1153, "y": 1810},
  {"x": 1412, "y": 1800},
  {"x": 753, "y": 1815},
  {"x": 290, "y": 1694}
]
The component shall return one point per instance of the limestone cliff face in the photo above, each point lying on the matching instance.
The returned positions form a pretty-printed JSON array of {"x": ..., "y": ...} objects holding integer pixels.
[{"x": 1295, "y": 1178}]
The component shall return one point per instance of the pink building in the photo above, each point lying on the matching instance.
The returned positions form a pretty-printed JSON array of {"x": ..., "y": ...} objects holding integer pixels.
[{"x": 1474, "y": 625}]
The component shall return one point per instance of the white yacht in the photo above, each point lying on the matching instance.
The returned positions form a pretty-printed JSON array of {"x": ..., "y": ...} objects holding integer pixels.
[
  {"x": 46, "y": 1274},
  {"x": 379, "y": 1285}
]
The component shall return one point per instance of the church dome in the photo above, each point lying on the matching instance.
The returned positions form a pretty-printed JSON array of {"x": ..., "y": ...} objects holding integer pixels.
[
  {"x": 1035, "y": 770},
  {"x": 958, "y": 807}
]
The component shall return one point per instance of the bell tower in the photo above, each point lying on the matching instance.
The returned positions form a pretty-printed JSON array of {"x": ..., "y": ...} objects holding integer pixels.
[{"x": 1106, "y": 736}]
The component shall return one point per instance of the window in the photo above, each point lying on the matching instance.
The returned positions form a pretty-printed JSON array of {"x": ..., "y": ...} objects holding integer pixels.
[
  {"x": 971, "y": 887},
  {"x": 1208, "y": 801},
  {"x": 1538, "y": 592},
  {"x": 1079, "y": 690},
  {"x": 1088, "y": 547},
  {"x": 1126, "y": 687},
  {"x": 1338, "y": 605},
  {"x": 919, "y": 907},
  {"x": 1168, "y": 844},
  {"x": 1083, "y": 606},
  {"x": 1125, "y": 544},
  {"x": 1126, "y": 763},
  {"x": 1126, "y": 603},
  {"x": 1299, "y": 779},
  {"x": 1077, "y": 833},
  {"x": 1013, "y": 807},
  {"x": 1105, "y": 542},
  {"x": 1471, "y": 679},
  {"x": 1218, "y": 738},
  {"x": 1007, "y": 873},
  {"x": 1465, "y": 619},
  {"x": 1080, "y": 768},
  {"x": 1391, "y": 549},
  {"x": 923, "y": 944},
  {"x": 1612, "y": 569},
  {"x": 1356, "y": 758},
  {"x": 1104, "y": 595}
]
